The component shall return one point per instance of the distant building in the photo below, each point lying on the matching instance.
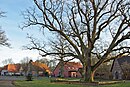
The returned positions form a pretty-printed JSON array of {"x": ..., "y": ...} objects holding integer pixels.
[
  {"x": 10, "y": 69},
  {"x": 121, "y": 68},
  {"x": 38, "y": 69},
  {"x": 70, "y": 69},
  {"x": 4, "y": 72}
]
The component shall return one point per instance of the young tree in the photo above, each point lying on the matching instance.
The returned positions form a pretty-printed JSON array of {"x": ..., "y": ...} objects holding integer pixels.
[
  {"x": 51, "y": 63},
  {"x": 84, "y": 24},
  {"x": 24, "y": 63}
]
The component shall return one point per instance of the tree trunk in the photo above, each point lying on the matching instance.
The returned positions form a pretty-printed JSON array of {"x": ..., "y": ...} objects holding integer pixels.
[
  {"x": 92, "y": 76},
  {"x": 89, "y": 75},
  {"x": 62, "y": 67},
  {"x": 84, "y": 73}
]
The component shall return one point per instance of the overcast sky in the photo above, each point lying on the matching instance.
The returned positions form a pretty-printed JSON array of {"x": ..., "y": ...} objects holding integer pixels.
[{"x": 17, "y": 37}]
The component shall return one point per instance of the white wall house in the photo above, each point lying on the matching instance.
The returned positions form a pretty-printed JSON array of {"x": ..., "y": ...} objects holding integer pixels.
[{"x": 4, "y": 72}]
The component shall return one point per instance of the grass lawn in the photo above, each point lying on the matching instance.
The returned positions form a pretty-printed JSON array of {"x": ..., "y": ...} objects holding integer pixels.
[{"x": 46, "y": 83}]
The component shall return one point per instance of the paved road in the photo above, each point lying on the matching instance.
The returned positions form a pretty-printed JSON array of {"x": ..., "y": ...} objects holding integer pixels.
[
  {"x": 11, "y": 78},
  {"x": 6, "y": 81},
  {"x": 6, "y": 84}
]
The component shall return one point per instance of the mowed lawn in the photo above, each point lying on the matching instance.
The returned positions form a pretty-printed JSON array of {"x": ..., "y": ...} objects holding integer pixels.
[{"x": 45, "y": 82}]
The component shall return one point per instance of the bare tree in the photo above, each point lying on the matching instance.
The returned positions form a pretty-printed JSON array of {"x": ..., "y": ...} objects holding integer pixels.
[
  {"x": 3, "y": 38},
  {"x": 7, "y": 61},
  {"x": 62, "y": 50},
  {"x": 89, "y": 26},
  {"x": 24, "y": 64},
  {"x": 58, "y": 48},
  {"x": 51, "y": 63}
]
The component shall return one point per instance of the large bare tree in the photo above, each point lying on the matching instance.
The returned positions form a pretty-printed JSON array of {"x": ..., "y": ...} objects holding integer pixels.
[{"x": 97, "y": 27}]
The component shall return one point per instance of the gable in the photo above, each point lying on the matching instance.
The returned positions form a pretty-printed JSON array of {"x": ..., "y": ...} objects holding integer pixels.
[
  {"x": 73, "y": 66},
  {"x": 116, "y": 66},
  {"x": 119, "y": 61},
  {"x": 124, "y": 59},
  {"x": 41, "y": 66},
  {"x": 69, "y": 66}
]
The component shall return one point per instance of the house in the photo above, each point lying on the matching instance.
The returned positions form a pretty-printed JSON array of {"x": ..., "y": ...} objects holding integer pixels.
[
  {"x": 37, "y": 68},
  {"x": 40, "y": 69},
  {"x": 70, "y": 69},
  {"x": 4, "y": 72},
  {"x": 121, "y": 68},
  {"x": 10, "y": 69}
]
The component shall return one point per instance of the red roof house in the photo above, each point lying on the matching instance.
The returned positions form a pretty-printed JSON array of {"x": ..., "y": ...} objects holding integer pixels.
[
  {"x": 70, "y": 69},
  {"x": 14, "y": 68},
  {"x": 10, "y": 69}
]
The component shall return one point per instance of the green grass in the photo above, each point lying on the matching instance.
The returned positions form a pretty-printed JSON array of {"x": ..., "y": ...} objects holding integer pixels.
[{"x": 45, "y": 82}]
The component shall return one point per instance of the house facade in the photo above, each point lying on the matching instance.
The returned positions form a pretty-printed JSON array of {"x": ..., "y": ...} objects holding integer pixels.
[
  {"x": 70, "y": 69},
  {"x": 121, "y": 68}
]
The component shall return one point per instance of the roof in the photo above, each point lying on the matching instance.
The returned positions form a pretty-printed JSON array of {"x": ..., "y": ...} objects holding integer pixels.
[
  {"x": 71, "y": 66},
  {"x": 121, "y": 60},
  {"x": 12, "y": 67},
  {"x": 41, "y": 66}
]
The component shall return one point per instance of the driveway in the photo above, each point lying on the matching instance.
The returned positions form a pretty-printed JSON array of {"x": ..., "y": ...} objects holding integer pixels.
[
  {"x": 11, "y": 78},
  {"x": 6, "y": 81},
  {"x": 6, "y": 84}
]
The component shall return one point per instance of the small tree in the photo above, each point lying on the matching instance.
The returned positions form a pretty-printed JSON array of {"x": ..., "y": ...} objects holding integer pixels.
[
  {"x": 51, "y": 63},
  {"x": 29, "y": 71},
  {"x": 24, "y": 64}
]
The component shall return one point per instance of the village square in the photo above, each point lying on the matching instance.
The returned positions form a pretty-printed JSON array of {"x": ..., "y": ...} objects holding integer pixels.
[{"x": 60, "y": 43}]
